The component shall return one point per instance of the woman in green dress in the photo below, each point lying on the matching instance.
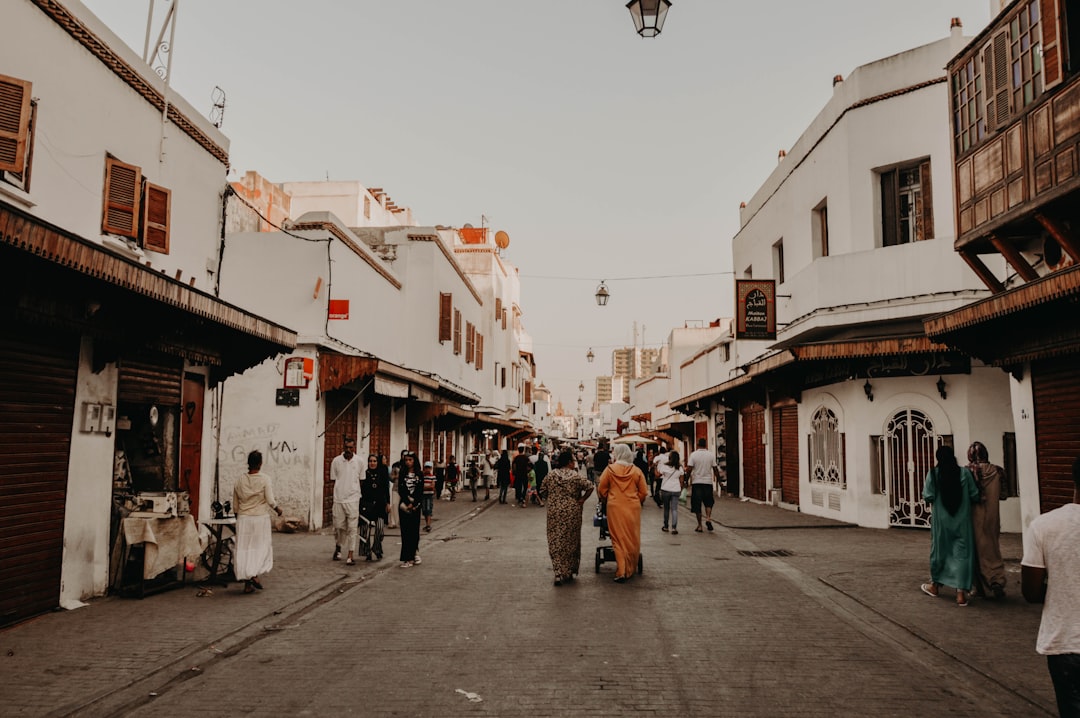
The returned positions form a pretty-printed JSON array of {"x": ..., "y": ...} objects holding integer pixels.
[{"x": 950, "y": 491}]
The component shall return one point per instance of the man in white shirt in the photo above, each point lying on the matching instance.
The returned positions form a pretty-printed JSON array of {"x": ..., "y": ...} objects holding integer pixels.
[
  {"x": 1050, "y": 574},
  {"x": 345, "y": 473},
  {"x": 702, "y": 466}
]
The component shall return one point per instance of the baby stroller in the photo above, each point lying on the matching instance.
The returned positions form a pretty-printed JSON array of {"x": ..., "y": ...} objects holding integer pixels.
[{"x": 606, "y": 552}]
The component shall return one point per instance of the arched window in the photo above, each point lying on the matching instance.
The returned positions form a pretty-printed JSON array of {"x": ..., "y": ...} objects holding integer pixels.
[{"x": 826, "y": 449}]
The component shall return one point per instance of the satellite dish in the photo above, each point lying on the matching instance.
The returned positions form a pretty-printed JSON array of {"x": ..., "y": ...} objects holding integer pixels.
[
  {"x": 466, "y": 226},
  {"x": 502, "y": 239}
]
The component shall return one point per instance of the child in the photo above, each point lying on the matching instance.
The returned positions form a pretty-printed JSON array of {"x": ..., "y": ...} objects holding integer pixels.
[{"x": 533, "y": 494}]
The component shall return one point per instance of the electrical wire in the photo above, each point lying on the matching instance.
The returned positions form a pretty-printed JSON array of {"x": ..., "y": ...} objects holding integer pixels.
[{"x": 627, "y": 279}]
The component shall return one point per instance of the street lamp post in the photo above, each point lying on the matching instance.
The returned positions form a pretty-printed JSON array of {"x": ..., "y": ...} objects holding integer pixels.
[{"x": 648, "y": 15}]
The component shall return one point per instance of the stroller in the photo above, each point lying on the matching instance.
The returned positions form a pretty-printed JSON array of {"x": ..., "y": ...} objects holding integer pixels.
[{"x": 606, "y": 552}]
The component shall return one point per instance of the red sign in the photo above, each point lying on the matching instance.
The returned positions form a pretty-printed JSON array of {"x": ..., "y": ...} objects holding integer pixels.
[{"x": 339, "y": 309}]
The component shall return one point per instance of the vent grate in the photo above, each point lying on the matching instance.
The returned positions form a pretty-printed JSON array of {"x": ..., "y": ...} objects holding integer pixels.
[{"x": 764, "y": 554}]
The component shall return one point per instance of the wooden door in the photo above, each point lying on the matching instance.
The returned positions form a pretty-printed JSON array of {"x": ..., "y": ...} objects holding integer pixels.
[
  {"x": 785, "y": 431},
  {"x": 191, "y": 436},
  {"x": 342, "y": 416},
  {"x": 753, "y": 428}
]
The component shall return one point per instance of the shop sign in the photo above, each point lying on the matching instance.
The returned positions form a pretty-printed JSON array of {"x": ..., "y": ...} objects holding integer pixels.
[{"x": 755, "y": 309}]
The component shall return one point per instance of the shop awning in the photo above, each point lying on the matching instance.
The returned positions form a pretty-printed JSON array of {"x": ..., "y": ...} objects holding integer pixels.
[
  {"x": 337, "y": 370},
  {"x": 65, "y": 249}
]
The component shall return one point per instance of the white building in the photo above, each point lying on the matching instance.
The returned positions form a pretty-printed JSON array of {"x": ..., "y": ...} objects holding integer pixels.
[
  {"x": 111, "y": 190},
  {"x": 841, "y": 414}
]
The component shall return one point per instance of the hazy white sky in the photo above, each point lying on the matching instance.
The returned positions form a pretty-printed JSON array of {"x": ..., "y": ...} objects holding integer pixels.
[{"x": 602, "y": 154}]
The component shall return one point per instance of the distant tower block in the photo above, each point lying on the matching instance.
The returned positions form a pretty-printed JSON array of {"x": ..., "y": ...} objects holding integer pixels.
[{"x": 502, "y": 239}]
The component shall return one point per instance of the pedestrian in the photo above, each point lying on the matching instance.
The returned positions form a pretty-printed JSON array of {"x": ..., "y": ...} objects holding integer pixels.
[
  {"x": 986, "y": 522},
  {"x": 520, "y": 475},
  {"x": 345, "y": 473},
  {"x": 428, "y": 503},
  {"x": 410, "y": 488},
  {"x": 564, "y": 492},
  {"x": 395, "y": 472},
  {"x": 502, "y": 475},
  {"x": 253, "y": 500},
  {"x": 487, "y": 472},
  {"x": 541, "y": 468},
  {"x": 950, "y": 490},
  {"x": 640, "y": 461},
  {"x": 1050, "y": 575},
  {"x": 654, "y": 476},
  {"x": 440, "y": 477},
  {"x": 702, "y": 468},
  {"x": 472, "y": 472},
  {"x": 375, "y": 503},
  {"x": 671, "y": 486},
  {"x": 453, "y": 474},
  {"x": 654, "y": 485},
  {"x": 624, "y": 489},
  {"x": 600, "y": 459}
]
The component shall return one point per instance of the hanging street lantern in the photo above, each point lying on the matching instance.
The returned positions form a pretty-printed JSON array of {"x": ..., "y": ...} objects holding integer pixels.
[
  {"x": 648, "y": 15},
  {"x": 590, "y": 356},
  {"x": 581, "y": 386},
  {"x": 602, "y": 294}
]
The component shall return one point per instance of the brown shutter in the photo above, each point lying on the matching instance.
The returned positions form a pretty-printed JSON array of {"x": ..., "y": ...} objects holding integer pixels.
[
  {"x": 504, "y": 318},
  {"x": 470, "y": 342},
  {"x": 1053, "y": 60},
  {"x": 890, "y": 210},
  {"x": 1055, "y": 388},
  {"x": 446, "y": 303},
  {"x": 528, "y": 392},
  {"x": 479, "y": 351},
  {"x": 14, "y": 123},
  {"x": 926, "y": 191},
  {"x": 157, "y": 205},
  {"x": 1002, "y": 93},
  {"x": 498, "y": 308},
  {"x": 122, "y": 183},
  {"x": 457, "y": 331}
]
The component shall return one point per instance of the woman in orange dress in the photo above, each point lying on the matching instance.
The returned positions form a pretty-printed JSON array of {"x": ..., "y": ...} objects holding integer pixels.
[{"x": 623, "y": 486}]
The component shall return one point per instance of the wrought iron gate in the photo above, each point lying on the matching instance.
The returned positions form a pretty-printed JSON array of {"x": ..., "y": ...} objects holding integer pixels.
[{"x": 907, "y": 453}]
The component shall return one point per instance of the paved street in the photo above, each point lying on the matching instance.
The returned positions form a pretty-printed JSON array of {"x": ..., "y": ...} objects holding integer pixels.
[{"x": 838, "y": 627}]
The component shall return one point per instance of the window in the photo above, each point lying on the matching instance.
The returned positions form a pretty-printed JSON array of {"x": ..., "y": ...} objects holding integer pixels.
[
  {"x": 819, "y": 229},
  {"x": 135, "y": 208},
  {"x": 907, "y": 213},
  {"x": 826, "y": 449},
  {"x": 1025, "y": 53},
  {"x": 528, "y": 392},
  {"x": 778, "y": 261},
  {"x": 503, "y": 378},
  {"x": 498, "y": 309},
  {"x": 470, "y": 342},
  {"x": 504, "y": 318},
  {"x": 367, "y": 206},
  {"x": 479, "y": 351},
  {"x": 16, "y": 125},
  {"x": 457, "y": 331},
  {"x": 969, "y": 127},
  {"x": 446, "y": 303}
]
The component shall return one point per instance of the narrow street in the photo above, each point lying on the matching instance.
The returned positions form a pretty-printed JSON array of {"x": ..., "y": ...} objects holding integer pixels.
[{"x": 838, "y": 627}]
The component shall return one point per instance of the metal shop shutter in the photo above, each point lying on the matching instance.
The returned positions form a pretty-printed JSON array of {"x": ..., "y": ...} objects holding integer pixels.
[
  {"x": 1056, "y": 388},
  {"x": 37, "y": 406},
  {"x": 786, "y": 451},
  {"x": 150, "y": 382}
]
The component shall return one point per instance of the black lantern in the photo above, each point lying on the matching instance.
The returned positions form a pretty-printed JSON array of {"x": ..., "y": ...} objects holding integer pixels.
[
  {"x": 602, "y": 294},
  {"x": 590, "y": 356},
  {"x": 868, "y": 390},
  {"x": 648, "y": 15},
  {"x": 941, "y": 387},
  {"x": 581, "y": 386}
]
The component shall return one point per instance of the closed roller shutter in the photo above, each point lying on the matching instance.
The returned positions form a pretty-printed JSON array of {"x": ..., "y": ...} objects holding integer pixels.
[
  {"x": 150, "y": 382},
  {"x": 1056, "y": 386},
  {"x": 37, "y": 406},
  {"x": 379, "y": 442},
  {"x": 786, "y": 451}
]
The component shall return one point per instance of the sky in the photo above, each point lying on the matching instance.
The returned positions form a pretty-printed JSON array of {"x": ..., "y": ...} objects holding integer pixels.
[{"x": 603, "y": 155}]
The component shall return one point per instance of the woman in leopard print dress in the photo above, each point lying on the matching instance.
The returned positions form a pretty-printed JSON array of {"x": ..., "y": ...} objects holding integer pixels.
[{"x": 564, "y": 492}]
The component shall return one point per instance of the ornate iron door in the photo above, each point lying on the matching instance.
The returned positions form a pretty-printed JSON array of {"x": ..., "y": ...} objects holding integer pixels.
[{"x": 908, "y": 445}]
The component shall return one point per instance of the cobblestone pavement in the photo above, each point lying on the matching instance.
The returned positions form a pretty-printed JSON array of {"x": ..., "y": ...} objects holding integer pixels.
[{"x": 837, "y": 627}]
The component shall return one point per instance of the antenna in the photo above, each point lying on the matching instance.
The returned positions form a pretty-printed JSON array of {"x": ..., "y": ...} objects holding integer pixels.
[{"x": 217, "y": 111}]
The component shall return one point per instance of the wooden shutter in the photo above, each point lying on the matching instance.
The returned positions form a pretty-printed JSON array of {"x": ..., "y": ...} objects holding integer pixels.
[
  {"x": 1053, "y": 60},
  {"x": 528, "y": 392},
  {"x": 504, "y": 318},
  {"x": 927, "y": 196},
  {"x": 14, "y": 123},
  {"x": 1055, "y": 388},
  {"x": 446, "y": 303},
  {"x": 470, "y": 342},
  {"x": 457, "y": 331},
  {"x": 122, "y": 183},
  {"x": 995, "y": 57},
  {"x": 157, "y": 206},
  {"x": 498, "y": 308},
  {"x": 479, "y": 351},
  {"x": 890, "y": 209}
]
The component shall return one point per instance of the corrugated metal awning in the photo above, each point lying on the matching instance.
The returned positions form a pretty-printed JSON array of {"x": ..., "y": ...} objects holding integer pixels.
[{"x": 337, "y": 370}]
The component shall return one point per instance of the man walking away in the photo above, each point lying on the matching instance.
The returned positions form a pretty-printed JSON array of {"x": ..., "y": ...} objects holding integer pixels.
[
  {"x": 703, "y": 471},
  {"x": 600, "y": 459},
  {"x": 520, "y": 470},
  {"x": 1050, "y": 575},
  {"x": 345, "y": 473}
]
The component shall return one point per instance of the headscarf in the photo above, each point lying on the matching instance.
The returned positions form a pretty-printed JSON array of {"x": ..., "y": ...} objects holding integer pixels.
[
  {"x": 622, "y": 455},
  {"x": 948, "y": 479}
]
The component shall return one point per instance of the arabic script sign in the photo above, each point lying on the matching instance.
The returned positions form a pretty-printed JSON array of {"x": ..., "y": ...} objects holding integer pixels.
[{"x": 755, "y": 309}]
